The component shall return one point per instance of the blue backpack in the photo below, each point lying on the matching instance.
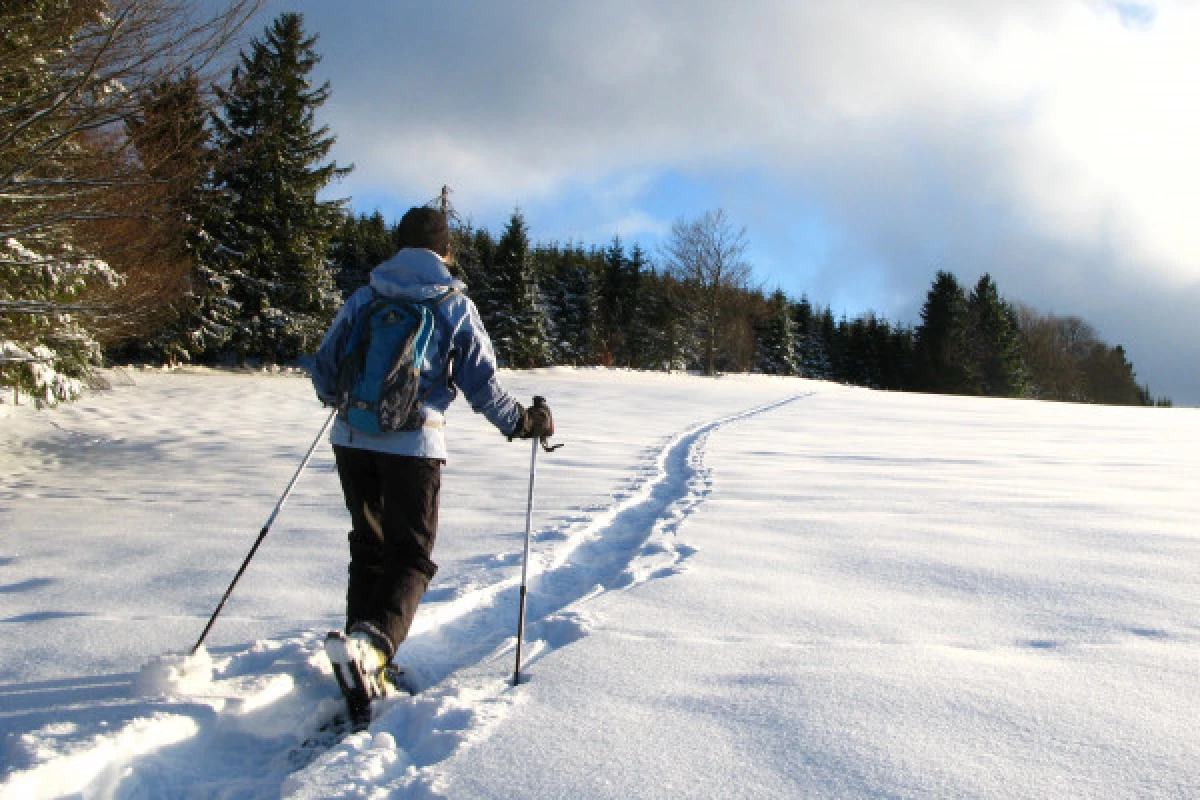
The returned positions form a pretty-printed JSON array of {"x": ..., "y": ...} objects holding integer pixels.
[{"x": 379, "y": 373}]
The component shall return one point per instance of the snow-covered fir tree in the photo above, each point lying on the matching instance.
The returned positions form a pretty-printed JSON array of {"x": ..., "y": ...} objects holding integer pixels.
[
  {"x": 812, "y": 343},
  {"x": 572, "y": 294},
  {"x": 777, "y": 338},
  {"x": 676, "y": 342},
  {"x": 47, "y": 341},
  {"x": 211, "y": 314},
  {"x": 473, "y": 254},
  {"x": 517, "y": 322},
  {"x": 46, "y": 347},
  {"x": 618, "y": 301},
  {"x": 993, "y": 342},
  {"x": 813, "y": 353},
  {"x": 361, "y": 243},
  {"x": 897, "y": 358},
  {"x": 271, "y": 244},
  {"x": 865, "y": 346},
  {"x": 941, "y": 357},
  {"x": 638, "y": 332}
]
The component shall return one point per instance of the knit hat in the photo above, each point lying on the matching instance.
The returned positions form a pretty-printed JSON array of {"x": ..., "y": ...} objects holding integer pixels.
[{"x": 425, "y": 227}]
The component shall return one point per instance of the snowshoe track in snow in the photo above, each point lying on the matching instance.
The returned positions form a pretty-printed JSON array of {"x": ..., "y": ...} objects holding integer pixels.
[
  {"x": 466, "y": 646},
  {"x": 464, "y": 649}
]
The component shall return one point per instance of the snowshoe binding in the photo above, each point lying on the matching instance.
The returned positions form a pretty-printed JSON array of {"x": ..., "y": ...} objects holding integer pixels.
[{"x": 363, "y": 672}]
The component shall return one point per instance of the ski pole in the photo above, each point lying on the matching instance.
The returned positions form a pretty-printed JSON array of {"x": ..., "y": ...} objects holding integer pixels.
[
  {"x": 263, "y": 533},
  {"x": 528, "y": 528},
  {"x": 525, "y": 562}
]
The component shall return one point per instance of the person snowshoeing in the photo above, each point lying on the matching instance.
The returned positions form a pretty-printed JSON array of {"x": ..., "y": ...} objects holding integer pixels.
[{"x": 391, "y": 478}]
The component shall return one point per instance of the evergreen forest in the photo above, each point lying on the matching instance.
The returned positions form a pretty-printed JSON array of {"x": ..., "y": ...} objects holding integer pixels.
[{"x": 157, "y": 211}]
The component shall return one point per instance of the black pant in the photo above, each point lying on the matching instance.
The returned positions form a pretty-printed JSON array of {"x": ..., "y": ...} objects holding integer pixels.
[{"x": 393, "y": 503}]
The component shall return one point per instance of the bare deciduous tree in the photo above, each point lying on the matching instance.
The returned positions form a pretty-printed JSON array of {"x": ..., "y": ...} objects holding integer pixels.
[
  {"x": 69, "y": 71},
  {"x": 72, "y": 76},
  {"x": 708, "y": 255}
]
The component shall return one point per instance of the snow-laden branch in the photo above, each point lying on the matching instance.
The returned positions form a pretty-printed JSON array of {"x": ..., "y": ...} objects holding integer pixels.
[{"x": 39, "y": 308}]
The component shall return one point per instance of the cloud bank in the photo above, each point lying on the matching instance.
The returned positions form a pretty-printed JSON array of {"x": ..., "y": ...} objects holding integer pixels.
[{"x": 1049, "y": 142}]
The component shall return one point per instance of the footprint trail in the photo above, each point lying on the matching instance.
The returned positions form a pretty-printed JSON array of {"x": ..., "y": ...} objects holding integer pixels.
[{"x": 464, "y": 648}]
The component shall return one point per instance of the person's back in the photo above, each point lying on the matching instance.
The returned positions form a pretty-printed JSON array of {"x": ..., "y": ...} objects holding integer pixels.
[
  {"x": 392, "y": 480},
  {"x": 460, "y": 355}
]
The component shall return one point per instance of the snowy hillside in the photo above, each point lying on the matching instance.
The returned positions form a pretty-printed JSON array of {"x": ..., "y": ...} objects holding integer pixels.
[{"x": 743, "y": 587}]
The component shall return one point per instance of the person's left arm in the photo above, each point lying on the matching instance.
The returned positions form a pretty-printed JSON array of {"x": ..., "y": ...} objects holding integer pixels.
[{"x": 325, "y": 368}]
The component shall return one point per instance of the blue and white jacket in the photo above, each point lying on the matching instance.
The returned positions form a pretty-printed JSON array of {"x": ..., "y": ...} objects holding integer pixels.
[{"x": 460, "y": 357}]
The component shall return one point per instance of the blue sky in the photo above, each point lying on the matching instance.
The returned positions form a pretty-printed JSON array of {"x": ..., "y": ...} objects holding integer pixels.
[{"x": 864, "y": 146}]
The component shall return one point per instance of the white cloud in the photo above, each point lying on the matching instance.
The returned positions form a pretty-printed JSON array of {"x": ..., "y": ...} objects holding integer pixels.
[
  {"x": 1052, "y": 142},
  {"x": 1088, "y": 121}
]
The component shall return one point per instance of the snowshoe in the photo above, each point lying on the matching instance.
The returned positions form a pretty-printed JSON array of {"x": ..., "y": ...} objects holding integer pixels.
[
  {"x": 363, "y": 673},
  {"x": 358, "y": 667}
]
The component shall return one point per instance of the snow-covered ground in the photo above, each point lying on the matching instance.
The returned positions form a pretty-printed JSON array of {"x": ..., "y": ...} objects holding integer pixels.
[{"x": 742, "y": 587}]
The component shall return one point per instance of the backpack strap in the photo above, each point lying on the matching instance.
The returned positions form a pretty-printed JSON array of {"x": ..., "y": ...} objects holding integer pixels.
[
  {"x": 444, "y": 296},
  {"x": 434, "y": 303}
]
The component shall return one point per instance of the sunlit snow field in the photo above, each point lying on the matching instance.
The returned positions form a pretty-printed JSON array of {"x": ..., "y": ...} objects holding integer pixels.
[{"x": 742, "y": 587}]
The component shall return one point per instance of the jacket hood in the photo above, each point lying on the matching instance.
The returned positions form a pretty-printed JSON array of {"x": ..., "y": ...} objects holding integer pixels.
[{"x": 414, "y": 272}]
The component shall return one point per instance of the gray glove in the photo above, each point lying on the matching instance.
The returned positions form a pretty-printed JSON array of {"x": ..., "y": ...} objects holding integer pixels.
[{"x": 536, "y": 422}]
